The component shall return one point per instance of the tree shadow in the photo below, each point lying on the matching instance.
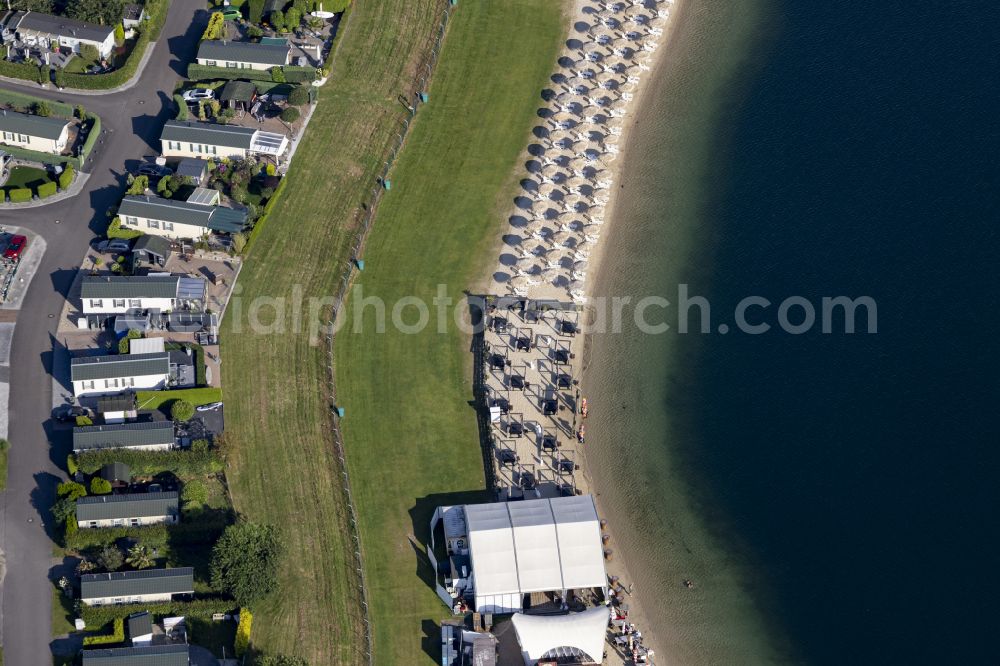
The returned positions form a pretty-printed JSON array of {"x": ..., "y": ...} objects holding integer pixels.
[
  {"x": 42, "y": 498},
  {"x": 183, "y": 47}
]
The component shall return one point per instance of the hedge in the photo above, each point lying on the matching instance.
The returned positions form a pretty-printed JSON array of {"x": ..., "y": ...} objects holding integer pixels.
[
  {"x": 264, "y": 215},
  {"x": 46, "y": 190},
  {"x": 19, "y": 70},
  {"x": 205, "y": 530},
  {"x": 24, "y": 102},
  {"x": 66, "y": 177},
  {"x": 148, "y": 32},
  {"x": 295, "y": 74},
  {"x": 99, "y": 616},
  {"x": 117, "y": 635},
  {"x": 20, "y": 195},
  {"x": 91, "y": 140},
  {"x": 38, "y": 156},
  {"x": 197, "y": 72},
  {"x": 144, "y": 463},
  {"x": 341, "y": 26}
]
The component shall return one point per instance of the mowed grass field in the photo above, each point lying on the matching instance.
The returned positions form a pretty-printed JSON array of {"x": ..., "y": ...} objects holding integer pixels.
[
  {"x": 410, "y": 432},
  {"x": 282, "y": 469}
]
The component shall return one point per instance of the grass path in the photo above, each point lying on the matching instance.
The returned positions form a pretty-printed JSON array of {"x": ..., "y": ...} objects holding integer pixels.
[
  {"x": 283, "y": 470},
  {"x": 410, "y": 433}
]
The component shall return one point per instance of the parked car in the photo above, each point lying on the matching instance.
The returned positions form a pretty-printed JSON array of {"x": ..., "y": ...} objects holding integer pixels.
[
  {"x": 154, "y": 170},
  {"x": 196, "y": 94},
  {"x": 70, "y": 412},
  {"x": 232, "y": 14},
  {"x": 15, "y": 246},
  {"x": 212, "y": 406},
  {"x": 114, "y": 245}
]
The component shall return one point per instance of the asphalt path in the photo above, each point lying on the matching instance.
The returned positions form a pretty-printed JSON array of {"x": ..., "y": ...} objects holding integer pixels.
[{"x": 131, "y": 124}]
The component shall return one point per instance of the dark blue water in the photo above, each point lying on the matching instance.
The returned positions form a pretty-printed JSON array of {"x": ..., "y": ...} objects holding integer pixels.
[{"x": 860, "y": 471}]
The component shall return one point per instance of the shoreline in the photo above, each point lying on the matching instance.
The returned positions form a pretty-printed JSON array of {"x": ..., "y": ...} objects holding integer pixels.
[
  {"x": 620, "y": 565},
  {"x": 577, "y": 10}
]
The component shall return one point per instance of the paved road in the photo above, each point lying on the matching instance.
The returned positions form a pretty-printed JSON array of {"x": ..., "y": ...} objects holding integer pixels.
[{"x": 131, "y": 122}]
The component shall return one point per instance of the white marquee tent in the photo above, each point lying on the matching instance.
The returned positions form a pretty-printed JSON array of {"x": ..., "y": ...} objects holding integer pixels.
[
  {"x": 578, "y": 635},
  {"x": 533, "y": 546}
]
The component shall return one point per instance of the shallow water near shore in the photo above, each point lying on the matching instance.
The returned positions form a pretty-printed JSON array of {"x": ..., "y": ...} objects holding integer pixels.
[{"x": 823, "y": 492}]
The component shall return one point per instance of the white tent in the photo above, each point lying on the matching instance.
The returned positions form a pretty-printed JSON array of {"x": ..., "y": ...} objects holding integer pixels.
[
  {"x": 544, "y": 545},
  {"x": 579, "y": 635}
]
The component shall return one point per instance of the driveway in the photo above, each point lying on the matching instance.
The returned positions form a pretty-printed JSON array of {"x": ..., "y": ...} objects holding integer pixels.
[{"x": 131, "y": 125}]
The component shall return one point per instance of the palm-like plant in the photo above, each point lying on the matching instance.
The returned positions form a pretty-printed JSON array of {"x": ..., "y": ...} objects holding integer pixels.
[{"x": 139, "y": 557}]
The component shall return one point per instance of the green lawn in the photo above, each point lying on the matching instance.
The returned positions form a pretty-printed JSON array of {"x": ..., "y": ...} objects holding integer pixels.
[
  {"x": 411, "y": 436},
  {"x": 4, "y": 450},
  {"x": 410, "y": 433},
  {"x": 25, "y": 176},
  {"x": 63, "y": 613},
  {"x": 150, "y": 400}
]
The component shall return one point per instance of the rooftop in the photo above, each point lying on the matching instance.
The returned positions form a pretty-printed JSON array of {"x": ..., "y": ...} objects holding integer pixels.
[
  {"x": 213, "y": 134},
  {"x": 60, "y": 25},
  {"x": 129, "y": 286},
  {"x": 216, "y": 218},
  {"x": 26, "y": 123},
  {"x": 123, "y": 435},
  {"x": 126, "y": 505},
  {"x": 151, "y": 655},
  {"x": 264, "y": 54},
  {"x": 88, "y": 368},
  {"x": 179, "y": 580}
]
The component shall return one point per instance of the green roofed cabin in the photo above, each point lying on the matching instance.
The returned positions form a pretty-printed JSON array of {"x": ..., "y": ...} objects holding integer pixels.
[
  {"x": 41, "y": 133},
  {"x": 127, "y": 509},
  {"x": 242, "y": 55},
  {"x": 145, "y": 436},
  {"x": 173, "y": 219},
  {"x": 135, "y": 587},
  {"x": 146, "y": 655}
]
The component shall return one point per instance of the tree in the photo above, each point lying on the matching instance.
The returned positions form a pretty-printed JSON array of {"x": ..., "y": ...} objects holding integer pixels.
[
  {"x": 99, "y": 486},
  {"x": 279, "y": 660},
  {"x": 181, "y": 410},
  {"x": 110, "y": 558},
  {"x": 80, "y": 112},
  {"x": 245, "y": 561},
  {"x": 85, "y": 566},
  {"x": 89, "y": 53},
  {"x": 215, "y": 28},
  {"x": 255, "y": 11},
  {"x": 194, "y": 494},
  {"x": 43, "y": 6},
  {"x": 292, "y": 18},
  {"x": 298, "y": 96},
  {"x": 102, "y": 12},
  {"x": 139, "y": 185},
  {"x": 64, "y": 509},
  {"x": 119, "y": 34},
  {"x": 124, "y": 344},
  {"x": 139, "y": 557},
  {"x": 41, "y": 108},
  {"x": 239, "y": 242},
  {"x": 71, "y": 490},
  {"x": 82, "y": 421},
  {"x": 290, "y": 114},
  {"x": 277, "y": 20}
]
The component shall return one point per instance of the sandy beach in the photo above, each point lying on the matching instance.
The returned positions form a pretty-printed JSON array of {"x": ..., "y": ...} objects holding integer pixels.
[{"x": 575, "y": 165}]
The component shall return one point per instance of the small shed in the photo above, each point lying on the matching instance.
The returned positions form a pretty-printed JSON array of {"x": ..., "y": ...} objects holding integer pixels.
[
  {"x": 117, "y": 408},
  {"x": 152, "y": 250},
  {"x": 131, "y": 16},
  {"x": 117, "y": 474},
  {"x": 146, "y": 346},
  {"x": 238, "y": 95},
  {"x": 193, "y": 168},
  {"x": 140, "y": 628}
]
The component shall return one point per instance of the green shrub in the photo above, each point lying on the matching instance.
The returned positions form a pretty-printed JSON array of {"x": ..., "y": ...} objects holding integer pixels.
[
  {"x": 243, "y": 632},
  {"x": 259, "y": 225},
  {"x": 194, "y": 494},
  {"x": 290, "y": 115},
  {"x": 255, "y": 10},
  {"x": 71, "y": 490},
  {"x": 206, "y": 530},
  {"x": 298, "y": 96},
  {"x": 72, "y": 527},
  {"x": 99, "y": 486},
  {"x": 20, "y": 195},
  {"x": 111, "y": 558},
  {"x": 84, "y": 421},
  {"x": 119, "y": 34},
  {"x": 181, "y": 410},
  {"x": 245, "y": 561},
  {"x": 146, "y": 463},
  {"x": 71, "y": 465},
  {"x": 139, "y": 185},
  {"x": 215, "y": 28},
  {"x": 296, "y": 74},
  {"x": 124, "y": 344},
  {"x": 117, "y": 635},
  {"x": 115, "y": 230},
  {"x": 277, "y": 75},
  {"x": 59, "y": 77},
  {"x": 46, "y": 190},
  {"x": 99, "y": 616},
  {"x": 42, "y": 108},
  {"x": 91, "y": 140},
  {"x": 66, "y": 177},
  {"x": 196, "y": 72}
]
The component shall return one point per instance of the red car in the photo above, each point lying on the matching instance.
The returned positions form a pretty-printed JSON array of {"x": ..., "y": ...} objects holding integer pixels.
[{"x": 15, "y": 247}]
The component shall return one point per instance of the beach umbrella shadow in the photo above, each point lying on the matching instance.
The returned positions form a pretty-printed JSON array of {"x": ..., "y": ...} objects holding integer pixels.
[
  {"x": 501, "y": 277},
  {"x": 533, "y": 166},
  {"x": 513, "y": 240},
  {"x": 545, "y": 112},
  {"x": 529, "y": 185},
  {"x": 548, "y": 94},
  {"x": 507, "y": 259},
  {"x": 524, "y": 203},
  {"x": 566, "y": 61},
  {"x": 518, "y": 221},
  {"x": 540, "y": 132},
  {"x": 536, "y": 149},
  {"x": 574, "y": 44},
  {"x": 582, "y": 26}
]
